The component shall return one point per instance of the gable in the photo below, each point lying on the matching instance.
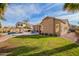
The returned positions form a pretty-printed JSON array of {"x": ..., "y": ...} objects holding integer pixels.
[{"x": 47, "y": 19}]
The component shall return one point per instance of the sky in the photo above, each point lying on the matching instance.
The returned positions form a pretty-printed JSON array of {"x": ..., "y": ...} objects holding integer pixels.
[{"x": 36, "y": 12}]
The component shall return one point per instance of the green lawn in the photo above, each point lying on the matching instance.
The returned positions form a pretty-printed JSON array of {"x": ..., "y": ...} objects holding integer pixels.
[{"x": 38, "y": 45}]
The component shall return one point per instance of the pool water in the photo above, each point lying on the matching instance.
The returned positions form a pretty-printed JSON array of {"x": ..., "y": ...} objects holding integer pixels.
[{"x": 11, "y": 33}]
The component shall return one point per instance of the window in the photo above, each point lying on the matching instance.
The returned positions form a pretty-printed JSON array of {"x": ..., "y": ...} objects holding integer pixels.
[{"x": 57, "y": 27}]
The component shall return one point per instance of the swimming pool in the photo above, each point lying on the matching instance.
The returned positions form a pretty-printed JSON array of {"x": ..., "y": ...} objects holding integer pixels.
[{"x": 11, "y": 33}]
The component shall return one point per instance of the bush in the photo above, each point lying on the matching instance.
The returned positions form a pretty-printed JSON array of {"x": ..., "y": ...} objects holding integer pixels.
[
  {"x": 46, "y": 34},
  {"x": 55, "y": 35},
  {"x": 71, "y": 30}
]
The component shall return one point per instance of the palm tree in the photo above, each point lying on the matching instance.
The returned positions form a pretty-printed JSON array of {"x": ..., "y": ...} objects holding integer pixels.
[
  {"x": 0, "y": 25},
  {"x": 71, "y": 7},
  {"x": 2, "y": 10}
]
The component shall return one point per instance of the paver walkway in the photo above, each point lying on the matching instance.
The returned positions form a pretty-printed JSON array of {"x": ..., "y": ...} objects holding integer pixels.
[
  {"x": 71, "y": 36},
  {"x": 4, "y": 38}
]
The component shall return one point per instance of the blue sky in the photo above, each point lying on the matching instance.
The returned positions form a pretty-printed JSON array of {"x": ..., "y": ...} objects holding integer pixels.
[{"x": 36, "y": 12}]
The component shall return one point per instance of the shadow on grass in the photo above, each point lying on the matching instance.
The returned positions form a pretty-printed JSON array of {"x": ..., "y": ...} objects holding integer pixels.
[
  {"x": 17, "y": 50},
  {"x": 32, "y": 36},
  {"x": 56, "y": 50}
]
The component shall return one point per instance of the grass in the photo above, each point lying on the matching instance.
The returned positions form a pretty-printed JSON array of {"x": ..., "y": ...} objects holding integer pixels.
[{"x": 37, "y": 45}]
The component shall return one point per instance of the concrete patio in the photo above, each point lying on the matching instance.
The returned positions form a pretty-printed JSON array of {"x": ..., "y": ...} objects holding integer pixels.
[{"x": 72, "y": 36}]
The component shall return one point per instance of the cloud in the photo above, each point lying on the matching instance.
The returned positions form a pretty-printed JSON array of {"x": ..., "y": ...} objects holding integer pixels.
[
  {"x": 56, "y": 14},
  {"x": 71, "y": 16},
  {"x": 36, "y": 12},
  {"x": 54, "y": 5},
  {"x": 22, "y": 9}
]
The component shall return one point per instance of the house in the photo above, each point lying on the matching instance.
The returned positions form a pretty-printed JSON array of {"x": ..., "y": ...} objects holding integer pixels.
[
  {"x": 53, "y": 26},
  {"x": 20, "y": 25},
  {"x": 36, "y": 28},
  {"x": 23, "y": 27}
]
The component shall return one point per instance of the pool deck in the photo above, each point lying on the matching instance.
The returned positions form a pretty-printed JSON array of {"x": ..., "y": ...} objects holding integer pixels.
[
  {"x": 6, "y": 37},
  {"x": 70, "y": 36}
]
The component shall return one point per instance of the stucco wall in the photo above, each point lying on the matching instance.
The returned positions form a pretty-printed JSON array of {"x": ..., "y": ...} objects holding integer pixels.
[
  {"x": 64, "y": 28},
  {"x": 57, "y": 27},
  {"x": 47, "y": 26},
  {"x": 51, "y": 25},
  {"x": 36, "y": 28}
]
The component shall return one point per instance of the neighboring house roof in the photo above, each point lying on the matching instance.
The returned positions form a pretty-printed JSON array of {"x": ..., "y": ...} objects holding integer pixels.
[
  {"x": 61, "y": 20},
  {"x": 48, "y": 17},
  {"x": 66, "y": 21},
  {"x": 36, "y": 25},
  {"x": 18, "y": 23}
]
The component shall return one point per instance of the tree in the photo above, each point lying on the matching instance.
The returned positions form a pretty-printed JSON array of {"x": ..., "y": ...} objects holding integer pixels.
[
  {"x": 2, "y": 10},
  {"x": 71, "y": 7},
  {"x": 0, "y": 25}
]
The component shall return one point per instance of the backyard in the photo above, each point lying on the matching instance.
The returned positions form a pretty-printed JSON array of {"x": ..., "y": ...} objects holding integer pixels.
[{"x": 37, "y": 45}]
